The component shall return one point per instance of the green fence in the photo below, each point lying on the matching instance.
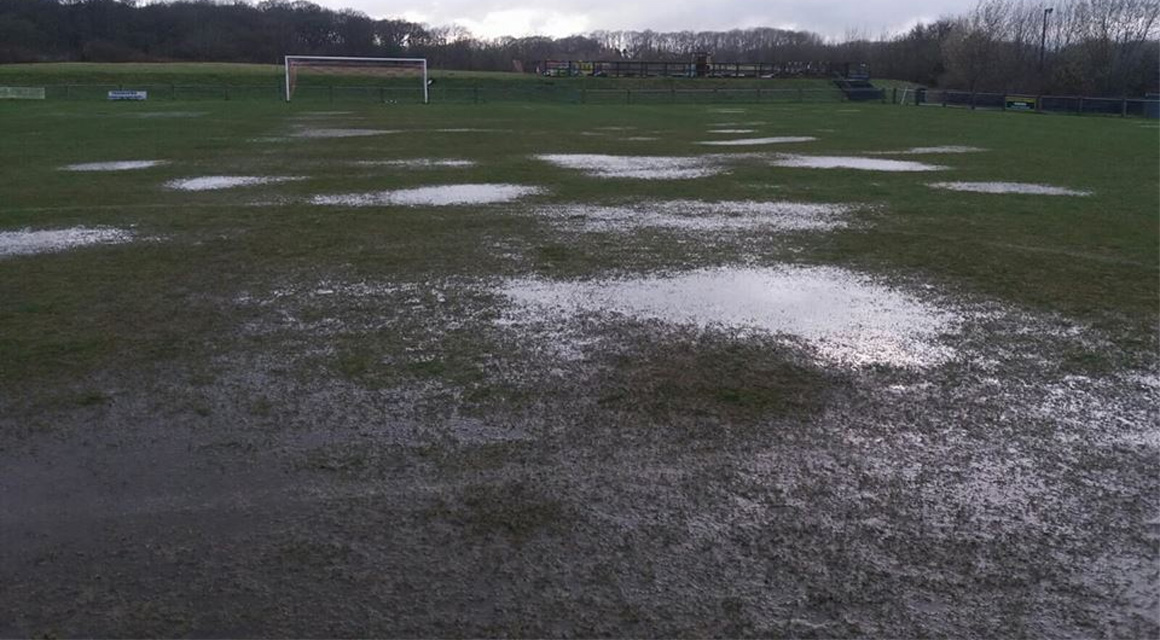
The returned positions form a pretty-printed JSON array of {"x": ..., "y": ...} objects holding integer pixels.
[{"x": 455, "y": 94}]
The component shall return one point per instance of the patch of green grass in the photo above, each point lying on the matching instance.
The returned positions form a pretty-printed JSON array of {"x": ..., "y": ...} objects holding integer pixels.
[{"x": 168, "y": 300}]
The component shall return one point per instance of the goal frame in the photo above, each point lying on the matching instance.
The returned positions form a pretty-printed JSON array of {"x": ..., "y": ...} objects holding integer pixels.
[{"x": 287, "y": 59}]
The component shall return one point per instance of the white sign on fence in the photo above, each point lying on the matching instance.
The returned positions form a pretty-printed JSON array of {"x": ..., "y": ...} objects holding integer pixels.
[
  {"x": 21, "y": 93},
  {"x": 128, "y": 95}
]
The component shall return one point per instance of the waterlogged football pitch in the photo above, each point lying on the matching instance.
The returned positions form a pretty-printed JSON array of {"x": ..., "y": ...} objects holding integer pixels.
[{"x": 566, "y": 370}]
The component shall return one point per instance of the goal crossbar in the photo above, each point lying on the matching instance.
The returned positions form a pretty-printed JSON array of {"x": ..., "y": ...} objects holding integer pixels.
[{"x": 289, "y": 60}]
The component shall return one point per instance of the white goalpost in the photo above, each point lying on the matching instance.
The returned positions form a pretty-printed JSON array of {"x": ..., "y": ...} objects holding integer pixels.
[{"x": 354, "y": 66}]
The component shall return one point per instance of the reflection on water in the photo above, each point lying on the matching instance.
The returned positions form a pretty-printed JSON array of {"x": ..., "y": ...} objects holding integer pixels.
[
  {"x": 920, "y": 151},
  {"x": 853, "y": 162},
  {"x": 212, "y": 183},
  {"x": 437, "y": 196},
  {"x": 307, "y": 132},
  {"x": 636, "y": 167},
  {"x": 1009, "y": 187},
  {"x": 746, "y": 142},
  {"x": 123, "y": 165},
  {"x": 847, "y": 317},
  {"x": 15, "y": 243},
  {"x": 691, "y": 215},
  {"x": 416, "y": 163}
]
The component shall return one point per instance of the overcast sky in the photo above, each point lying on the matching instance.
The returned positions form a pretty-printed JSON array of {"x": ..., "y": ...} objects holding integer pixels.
[{"x": 493, "y": 18}]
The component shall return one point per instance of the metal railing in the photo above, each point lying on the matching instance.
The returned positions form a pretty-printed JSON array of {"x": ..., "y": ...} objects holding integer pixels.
[
  {"x": 1080, "y": 105},
  {"x": 1145, "y": 107},
  {"x": 465, "y": 94}
]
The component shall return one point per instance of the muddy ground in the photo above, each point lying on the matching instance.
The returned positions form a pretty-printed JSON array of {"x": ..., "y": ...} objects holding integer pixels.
[{"x": 423, "y": 459}]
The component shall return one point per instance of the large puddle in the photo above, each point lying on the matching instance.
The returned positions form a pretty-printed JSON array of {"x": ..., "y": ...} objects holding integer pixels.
[
  {"x": 636, "y": 167},
  {"x": 853, "y": 162},
  {"x": 213, "y": 183},
  {"x": 26, "y": 242},
  {"x": 416, "y": 163},
  {"x": 172, "y": 114},
  {"x": 1009, "y": 187},
  {"x": 922, "y": 151},
  {"x": 120, "y": 165},
  {"x": 437, "y": 196},
  {"x": 846, "y": 317},
  {"x": 308, "y": 132},
  {"x": 693, "y": 215},
  {"x": 471, "y": 130},
  {"x": 750, "y": 142}
]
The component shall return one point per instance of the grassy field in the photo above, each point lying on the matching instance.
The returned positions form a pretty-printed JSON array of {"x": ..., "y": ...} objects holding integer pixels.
[{"x": 270, "y": 416}]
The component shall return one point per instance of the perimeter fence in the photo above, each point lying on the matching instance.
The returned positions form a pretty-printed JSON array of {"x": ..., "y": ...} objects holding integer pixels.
[
  {"x": 462, "y": 94},
  {"x": 481, "y": 94},
  {"x": 1080, "y": 105}
]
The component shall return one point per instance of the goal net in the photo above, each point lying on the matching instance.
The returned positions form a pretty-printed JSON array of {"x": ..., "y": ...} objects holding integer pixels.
[{"x": 384, "y": 79}]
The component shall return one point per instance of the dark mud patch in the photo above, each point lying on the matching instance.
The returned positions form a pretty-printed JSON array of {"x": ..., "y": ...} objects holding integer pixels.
[
  {"x": 682, "y": 375},
  {"x": 587, "y": 476}
]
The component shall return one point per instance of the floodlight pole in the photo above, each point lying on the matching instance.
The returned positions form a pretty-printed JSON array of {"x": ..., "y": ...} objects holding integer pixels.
[{"x": 1043, "y": 38}]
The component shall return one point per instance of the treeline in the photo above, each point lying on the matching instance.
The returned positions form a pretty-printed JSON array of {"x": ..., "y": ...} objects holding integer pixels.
[
  {"x": 1094, "y": 47},
  {"x": 1086, "y": 47}
]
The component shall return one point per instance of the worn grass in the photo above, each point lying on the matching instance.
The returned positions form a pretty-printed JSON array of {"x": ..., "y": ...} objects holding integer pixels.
[{"x": 1094, "y": 259}]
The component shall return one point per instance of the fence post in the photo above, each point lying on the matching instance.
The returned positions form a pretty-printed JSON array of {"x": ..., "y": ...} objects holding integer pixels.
[
  {"x": 1124, "y": 108},
  {"x": 974, "y": 96},
  {"x": 1038, "y": 104},
  {"x": 944, "y": 98},
  {"x": 894, "y": 96},
  {"x": 1081, "y": 105}
]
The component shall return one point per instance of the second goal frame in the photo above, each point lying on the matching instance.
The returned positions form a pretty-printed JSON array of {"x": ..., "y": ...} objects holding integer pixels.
[{"x": 289, "y": 60}]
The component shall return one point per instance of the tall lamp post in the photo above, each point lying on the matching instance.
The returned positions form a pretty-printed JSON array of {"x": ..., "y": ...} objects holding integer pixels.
[{"x": 1043, "y": 38}]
